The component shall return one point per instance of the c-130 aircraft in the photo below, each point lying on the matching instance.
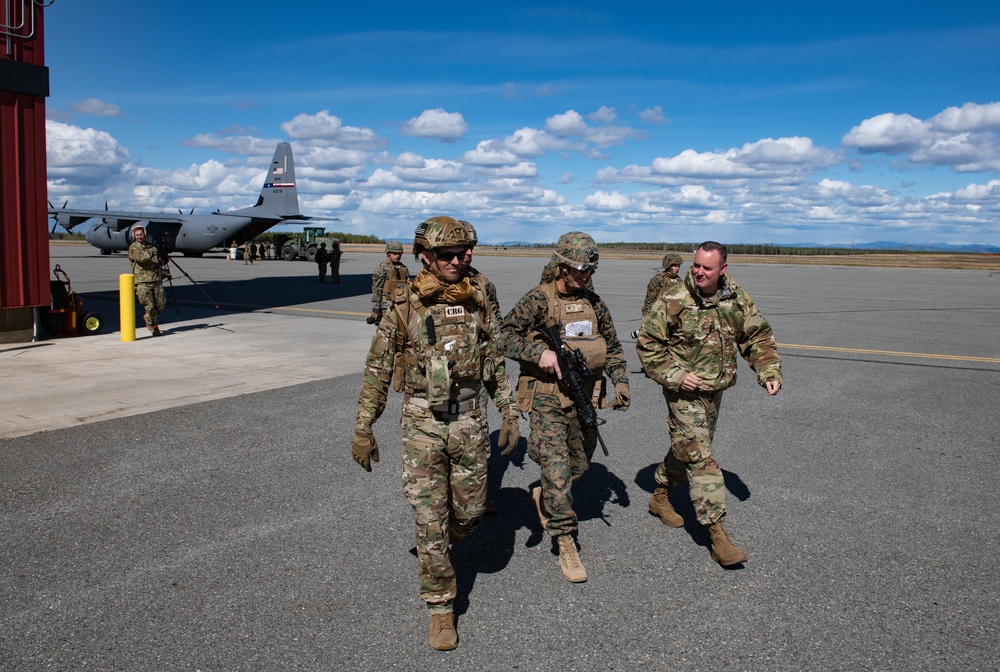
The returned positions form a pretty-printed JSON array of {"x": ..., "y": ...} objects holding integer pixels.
[{"x": 193, "y": 234}]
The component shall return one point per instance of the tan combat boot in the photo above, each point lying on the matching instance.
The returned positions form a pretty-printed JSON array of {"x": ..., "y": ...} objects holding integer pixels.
[
  {"x": 724, "y": 551},
  {"x": 569, "y": 560},
  {"x": 536, "y": 497},
  {"x": 443, "y": 636},
  {"x": 659, "y": 505}
]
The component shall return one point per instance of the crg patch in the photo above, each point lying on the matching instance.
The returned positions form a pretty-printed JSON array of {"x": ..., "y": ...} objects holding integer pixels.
[{"x": 454, "y": 314}]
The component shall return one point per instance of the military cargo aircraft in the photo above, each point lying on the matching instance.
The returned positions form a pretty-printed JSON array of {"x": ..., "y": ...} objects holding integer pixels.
[{"x": 193, "y": 234}]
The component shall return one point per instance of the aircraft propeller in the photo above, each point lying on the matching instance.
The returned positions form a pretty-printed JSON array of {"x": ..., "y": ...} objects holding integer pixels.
[{"x": 55, "y": 218}]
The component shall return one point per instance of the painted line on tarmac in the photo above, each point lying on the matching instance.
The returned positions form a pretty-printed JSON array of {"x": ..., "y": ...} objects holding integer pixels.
[
  {"x": 321, "y": 310},
  {"x": 920, "y": 355}
]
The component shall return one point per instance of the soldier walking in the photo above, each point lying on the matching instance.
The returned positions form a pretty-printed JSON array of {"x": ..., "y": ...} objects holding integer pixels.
[
  {"x": 483, "y": 284},
  {"x": 557, "y": 442},
  {"x": 668, "y": 276},
  {"x": 688, "y": 344},
  {"x": 440, "y": 342},
  {"x": 389, "y": 273},
  {"x": 149, "y": 270}
]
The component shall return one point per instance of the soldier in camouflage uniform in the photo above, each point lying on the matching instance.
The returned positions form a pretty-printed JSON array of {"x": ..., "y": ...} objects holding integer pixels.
[
  {"x": 483, "y": 283},
  {"x": 688, "y": 344},
  {"x": 557, "y": 442},
  {"x": 439, "y": 339},
  {"x": 389, "y": 273},
  {"x": 149, "y": 270},
  {"x": 665, "y": 278}
]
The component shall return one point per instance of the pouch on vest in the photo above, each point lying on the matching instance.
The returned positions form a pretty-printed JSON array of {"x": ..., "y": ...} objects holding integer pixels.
[
  {"x": 525, "y": 394},
  {"x": 600, "y": 397},
  {"x": 438, "y": 380}
]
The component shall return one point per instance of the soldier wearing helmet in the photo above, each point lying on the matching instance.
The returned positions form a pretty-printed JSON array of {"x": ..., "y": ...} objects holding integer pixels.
[
  {"x": 672, "y": 263},
  {"x": 557, "y": 442},
  {"x": 551, "y": 270},
  {"x": 482, "y": 283},
  {"x": 441, "y": 344},
  {"x": 389, "y": 273}
]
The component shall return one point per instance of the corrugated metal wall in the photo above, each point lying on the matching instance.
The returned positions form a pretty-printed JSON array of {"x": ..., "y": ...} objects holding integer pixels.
[{"x": 24, "y": 245}]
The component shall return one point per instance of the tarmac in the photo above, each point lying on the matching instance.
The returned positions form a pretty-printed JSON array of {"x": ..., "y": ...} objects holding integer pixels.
[{"x": 189, "y": 501}]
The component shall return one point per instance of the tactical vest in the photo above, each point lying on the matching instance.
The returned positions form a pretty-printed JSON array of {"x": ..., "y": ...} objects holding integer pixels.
[
  {"x": 439, "y": 347},
  {"x": 395, "y": 276},
  {"x": 579, "y": 332}
]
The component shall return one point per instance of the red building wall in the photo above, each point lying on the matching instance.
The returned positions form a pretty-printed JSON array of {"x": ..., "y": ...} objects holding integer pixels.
[{"x": 24, "y": 246}]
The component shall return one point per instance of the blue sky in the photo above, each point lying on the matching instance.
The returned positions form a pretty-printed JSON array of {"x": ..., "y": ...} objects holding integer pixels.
[{"x": 825, "y": 122}]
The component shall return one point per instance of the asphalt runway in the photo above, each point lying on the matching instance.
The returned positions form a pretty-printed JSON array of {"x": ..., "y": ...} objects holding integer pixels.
[{"x": 238, "y": 534}]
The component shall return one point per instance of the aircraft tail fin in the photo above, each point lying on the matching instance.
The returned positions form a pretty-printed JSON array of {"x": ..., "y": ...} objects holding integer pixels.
[{"x": 279, "y": 198}]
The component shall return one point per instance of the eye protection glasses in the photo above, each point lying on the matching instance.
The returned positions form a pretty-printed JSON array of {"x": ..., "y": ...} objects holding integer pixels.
[{"x": 448, "y": 257}]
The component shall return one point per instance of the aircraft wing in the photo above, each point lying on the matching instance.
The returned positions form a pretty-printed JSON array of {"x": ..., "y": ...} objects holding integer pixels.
[{"x": 115, "y": 219}]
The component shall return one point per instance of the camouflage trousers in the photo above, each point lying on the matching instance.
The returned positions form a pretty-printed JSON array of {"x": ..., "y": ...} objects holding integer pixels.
[
  {"x": 563, "y": 452},
  {"x": 153, "y": 299},
  {"x": 444, "y": 479},
  {"x": 692, "y": 418}
]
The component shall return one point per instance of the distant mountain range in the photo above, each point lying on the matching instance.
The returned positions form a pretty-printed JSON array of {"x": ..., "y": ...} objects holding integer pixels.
[{"x": 910, "y": 247}]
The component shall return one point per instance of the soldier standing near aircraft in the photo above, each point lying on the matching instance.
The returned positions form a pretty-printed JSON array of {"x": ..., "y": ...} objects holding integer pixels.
[
  {"x": 688, "y": 344},
  {"x": 439, "y": 340},
  {"x": 389, "y": 273},
  {"x": 335, "y": 255},
  {"x": 322, "y": 258},
  {"x": 558, "y": 442},
  {"x": 149, "y": 269},
  {"x": 671, "y": 268}
]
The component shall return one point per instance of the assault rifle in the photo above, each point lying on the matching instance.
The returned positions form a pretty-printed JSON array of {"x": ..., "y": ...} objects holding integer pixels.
[{"x": 575, "y": 374}]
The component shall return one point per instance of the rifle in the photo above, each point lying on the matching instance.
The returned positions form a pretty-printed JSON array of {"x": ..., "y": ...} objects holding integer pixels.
[{"x": 575, "y": 373}]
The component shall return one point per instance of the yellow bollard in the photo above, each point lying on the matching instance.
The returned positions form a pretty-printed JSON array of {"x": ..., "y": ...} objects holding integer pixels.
[{"x": 126, "y": 302}]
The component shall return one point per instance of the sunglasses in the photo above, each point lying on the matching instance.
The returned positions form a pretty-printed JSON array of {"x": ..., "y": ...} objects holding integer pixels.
[{"x": 448, "y": 257}]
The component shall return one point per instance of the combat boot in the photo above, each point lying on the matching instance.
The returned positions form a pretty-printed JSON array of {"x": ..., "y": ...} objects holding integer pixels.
[
  {"x": 724, "y": 551},
  {"x": 536, "y": 497},
  {"x": 569, "y": 560},
  {"x": 443, "y": 636},
  {"x": 659, "y": 505}
]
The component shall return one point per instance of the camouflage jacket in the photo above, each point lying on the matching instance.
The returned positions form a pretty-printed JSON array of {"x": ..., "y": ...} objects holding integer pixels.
[
  {"x": 657, "y": 284},
  {"x": 386, "y": 273},
  {"x": 488, "y": 288},
  {"x": 146, "y": 264},
  {"x": 685, "y": 332},
  {"x": 478, "y": 340},
  {"x": 532, "y": 311}
]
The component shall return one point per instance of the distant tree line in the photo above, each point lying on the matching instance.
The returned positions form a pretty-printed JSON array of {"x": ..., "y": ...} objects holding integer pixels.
[{"x": 738, "y": 248}]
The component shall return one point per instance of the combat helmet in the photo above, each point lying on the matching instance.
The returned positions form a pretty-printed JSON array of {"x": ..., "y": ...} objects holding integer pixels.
[
  {"x": 393, "y": 246},
  {"x": 440, "y": 232},
  {"x": 576, "y": 250},
  {"x": 471, "y": 231},
  {"x": 672, "y": 259}
]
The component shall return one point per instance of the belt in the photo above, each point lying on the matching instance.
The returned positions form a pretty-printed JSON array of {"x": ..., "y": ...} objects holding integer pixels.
[{"x": 451, "y": 408}]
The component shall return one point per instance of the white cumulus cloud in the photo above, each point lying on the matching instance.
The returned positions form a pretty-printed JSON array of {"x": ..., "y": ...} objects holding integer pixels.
[{"x": 437, "y": 124}]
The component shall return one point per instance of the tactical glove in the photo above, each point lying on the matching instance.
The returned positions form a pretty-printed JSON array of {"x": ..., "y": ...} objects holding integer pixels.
[
  {"x": 364, "y": 450},
  {"x": 375, "y": 317},
  {"x": 510, "y": 434},
  {"x": 623, "y": 396}
]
